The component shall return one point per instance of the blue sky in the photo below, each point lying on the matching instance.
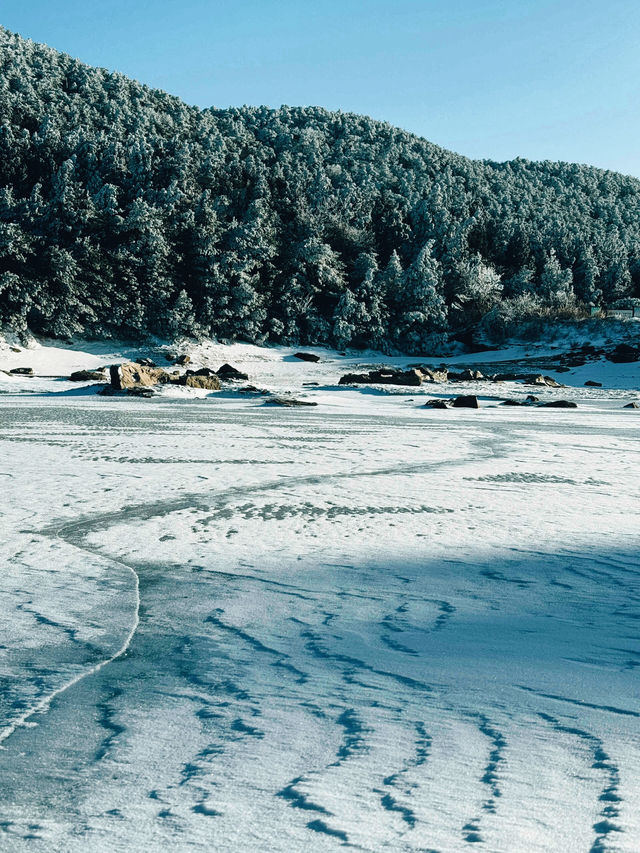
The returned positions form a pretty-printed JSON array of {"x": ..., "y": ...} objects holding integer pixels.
[{"x": 540, "y": 79}]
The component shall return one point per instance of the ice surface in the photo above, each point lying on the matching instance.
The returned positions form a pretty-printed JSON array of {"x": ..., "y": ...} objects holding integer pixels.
[{"x": 367, "y": 624}]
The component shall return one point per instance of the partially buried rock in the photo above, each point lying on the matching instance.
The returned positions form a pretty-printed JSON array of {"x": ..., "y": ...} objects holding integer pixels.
[
  {"x": 436, "y": 404},
  {"x": 145, "y": 362},
  {"x": 549, "y": 381},
  {"x": 560, "y": 404},
  {"x": 129, "y": 374},
  {"x": 434, "y": 374},
  {"x": 288, "y": 401},
  {"x": 140, "y": 391},
  {"x": 182, "y": 359},
  {"x": 227, "y": 371},
  {"x": 591, "y": 384},
  {"x": 210, "y": 383},
  {"x": 88, "y": 376},
  {"x": 22, "y": 371},
  {"x": 469, "y": 401},
  {"x": 634, "y": 405},
  {"x": 384, "y": 376},
  {"x": 202, "y": 371},
  {"x": 511, "y": 402},
  {"x": 306, "y": 356}
]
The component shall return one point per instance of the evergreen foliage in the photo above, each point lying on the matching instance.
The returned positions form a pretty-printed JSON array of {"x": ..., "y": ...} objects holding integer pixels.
[{"x": 125, "y": 211}]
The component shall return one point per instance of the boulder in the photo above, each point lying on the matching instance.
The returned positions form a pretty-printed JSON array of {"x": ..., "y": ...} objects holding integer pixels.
[
  {"x": 307, "y": 356},
  {"x": 182, "y": 359},
  {"x": 560, "y": 404},
  {"x": 511, "y": 402},
  {"x": 22, "y": 371},
  {"x": 145, "y": 362},
  {"x": 434, "y": 374},
  {"x": 469, "y": 401},
  {"x": 385, "y": 376},
  {"x": 288, "y": 401},
  {"x": 140, "y": 391},
  {"x": 436, "y": 404},
  {"x": 467, "y": 376},
  {"x": 15, "y": 349},
  {"x": 532, "y": 399},
  {"x": 202, "y": 371},
  {"x": 88, "y": 376},
  {"x": 548, "y": 381},
  {"x": 591, "y": 384},
  {"x": 210, "y": 383},
  {"x": 634, "y": 405},
  {"x": 128, "y": 374},
  {"x": 227, "y": 371}
]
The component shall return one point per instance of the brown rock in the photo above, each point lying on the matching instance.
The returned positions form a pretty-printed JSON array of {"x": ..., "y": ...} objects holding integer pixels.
[
  {"x": 129, "y": 374},
  {"x": 211, "y": 383},
  {"x": 436, "y": 404}
]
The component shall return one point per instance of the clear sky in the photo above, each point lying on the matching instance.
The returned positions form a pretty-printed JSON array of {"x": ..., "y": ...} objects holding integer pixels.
[{"x": 542, "y": 79}]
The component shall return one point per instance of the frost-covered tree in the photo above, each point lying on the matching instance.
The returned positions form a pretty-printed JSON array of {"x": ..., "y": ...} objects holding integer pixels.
[{"x": 424, "y": 313}]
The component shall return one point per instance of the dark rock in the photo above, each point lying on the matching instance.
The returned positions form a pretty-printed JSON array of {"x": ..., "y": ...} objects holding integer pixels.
[
  {"x": 145, "y": 362},
  {"x": 591, "y": 384},
  {"x": 469, "y": 401},
  {"x": 436, "y": 404},
  {"x": 511, "y": 402},
  {"x": 288, "y": 401},
  {"x": 634, "y": 405},
  {"x": 182, "y": 359},
  {"x": 505, "y": 377},
  {"x": 532, "y": 399},
  {"x": 210, "y": 383},
  {"x": 309, "y": 384},
  {"x": 88, "y": 376},
  {"x": 15, "y": 349},
  {"x": 624, "y": 354},
  {"x": 22, "y": 371},
  {"x": 307, "y": 356},
  {"x": 140, "y": 391},
  {"x": 229, "y": 372},
  {"x": 385, "y": 376},
  {"x": 202, "y": 371},
  {"x": 560, "y": 404},
  {"x": 128, "y": 374}
]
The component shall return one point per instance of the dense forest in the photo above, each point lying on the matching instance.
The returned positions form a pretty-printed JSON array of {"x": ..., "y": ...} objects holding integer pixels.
[{"x": 125, "y": 211}]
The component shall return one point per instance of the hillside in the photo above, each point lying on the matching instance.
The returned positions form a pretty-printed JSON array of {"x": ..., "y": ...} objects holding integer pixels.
[{"x": 123, "y": 210}]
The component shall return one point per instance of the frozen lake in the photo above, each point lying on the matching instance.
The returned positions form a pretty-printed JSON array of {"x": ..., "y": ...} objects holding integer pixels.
[{"x": 240, "y": 628}]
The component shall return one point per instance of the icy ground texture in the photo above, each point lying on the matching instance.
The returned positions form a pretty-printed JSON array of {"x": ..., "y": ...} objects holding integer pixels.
[{"x": 394, "y": 629}]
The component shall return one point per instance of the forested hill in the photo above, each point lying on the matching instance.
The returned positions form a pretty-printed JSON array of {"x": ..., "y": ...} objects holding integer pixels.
[{"x": 123, "y": 210}]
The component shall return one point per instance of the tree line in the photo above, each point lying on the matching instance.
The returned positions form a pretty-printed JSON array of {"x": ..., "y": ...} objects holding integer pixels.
[{"x": 125, "y": 211}]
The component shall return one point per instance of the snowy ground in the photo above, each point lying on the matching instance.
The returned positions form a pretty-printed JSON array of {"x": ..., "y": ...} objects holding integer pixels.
[{"x": 234, "y": 627}]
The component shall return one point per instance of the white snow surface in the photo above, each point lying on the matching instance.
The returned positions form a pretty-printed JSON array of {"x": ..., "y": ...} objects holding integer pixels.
[{"x": 231, "y": 626}]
